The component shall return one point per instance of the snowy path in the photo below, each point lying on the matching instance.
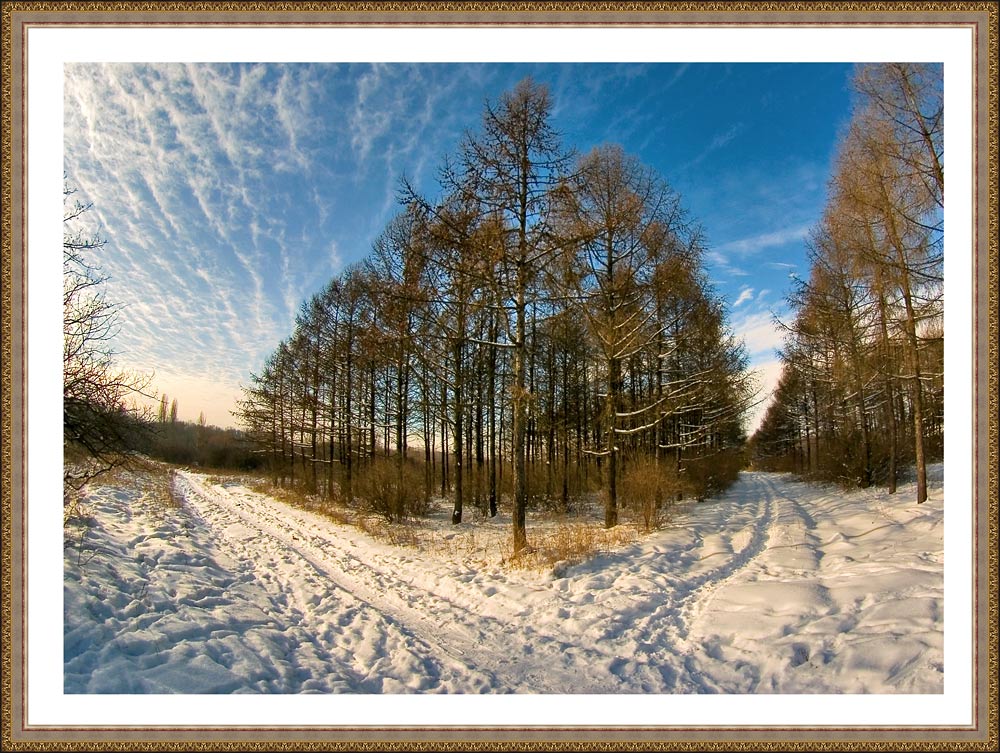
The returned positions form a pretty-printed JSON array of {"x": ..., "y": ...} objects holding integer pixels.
[
  {"x": 778, "y": 586},
  {"x": 282, "y": 544}
]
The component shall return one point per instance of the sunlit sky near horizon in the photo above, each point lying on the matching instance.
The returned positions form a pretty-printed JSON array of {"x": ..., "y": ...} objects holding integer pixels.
[{"x": 230, "y": 193}]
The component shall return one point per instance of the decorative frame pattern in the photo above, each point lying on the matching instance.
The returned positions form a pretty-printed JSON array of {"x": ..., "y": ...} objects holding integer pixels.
[{"x": 17, "y": 17}]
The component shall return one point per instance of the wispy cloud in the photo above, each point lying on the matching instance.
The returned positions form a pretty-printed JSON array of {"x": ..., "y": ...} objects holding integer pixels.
[
  {"x": 756, "y": 243},
  {"x": 722, "y": 139},
  {"x": 179, "y": 166},
  {"x": 678, "y": 75},
  {"x": 766, "y": 374},
  {"x": 718, "y": 141},
  {"x": 371, "y": 119},
  {"x": 760, "y": 333},
  {"x": 745, "y": 295},
  {"x": 722, "y": 263},
  {"x": 231, "y": 192},
  {"x": 763, "y": 337}
]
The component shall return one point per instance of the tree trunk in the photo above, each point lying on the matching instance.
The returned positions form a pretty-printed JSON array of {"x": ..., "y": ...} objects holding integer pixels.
[
  {"x": 459, "y": 376},
  {"x": 520, "y": 431},
  {"x": 611, "y": 402},
  {"x": 492, "y": 417}
]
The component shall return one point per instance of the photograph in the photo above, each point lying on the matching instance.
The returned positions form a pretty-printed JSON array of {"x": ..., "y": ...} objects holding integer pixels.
[
  {"x": 419, "y": 391},
  {"x": 446, "y": 404}
]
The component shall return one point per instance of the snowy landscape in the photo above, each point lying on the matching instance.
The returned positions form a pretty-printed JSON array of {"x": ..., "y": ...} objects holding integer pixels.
[
  {"x": 531, "y": 379},
  {"x": 776, "y": 586}
]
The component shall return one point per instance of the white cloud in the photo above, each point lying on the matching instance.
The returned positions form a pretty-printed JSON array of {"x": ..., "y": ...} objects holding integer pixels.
[
  {"x": 747, "y": 246},
  {"x": 718, "y": 142},
  {"x": 745, "y": 295},
  {"x": 336, "y": 260},
  {"x": 724, "y": 138},
  {"x": 195, "y": 394},
  {"x": 177, "y": 162},
  {"x": 723, "y": 264},
  {"x": 370, "y": 119},
  {"x": 759, "y": 331},
  {"x": 677, "y": 75}
]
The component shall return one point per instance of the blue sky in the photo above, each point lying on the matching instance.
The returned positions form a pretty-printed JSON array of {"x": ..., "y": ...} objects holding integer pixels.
[{"x": 230, "y": 193}]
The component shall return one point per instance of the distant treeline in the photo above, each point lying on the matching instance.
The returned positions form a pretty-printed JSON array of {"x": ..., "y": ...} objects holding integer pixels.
[{"x": 194, "y": 444}]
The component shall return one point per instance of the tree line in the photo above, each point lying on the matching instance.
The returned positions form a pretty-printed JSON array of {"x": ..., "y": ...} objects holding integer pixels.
[
  {"x": 541, "y": 328},
  {"x": 862, "y": 388},
  {"x": 198, "y": 443}
]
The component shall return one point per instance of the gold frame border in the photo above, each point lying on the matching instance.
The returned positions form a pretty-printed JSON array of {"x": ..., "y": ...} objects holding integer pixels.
[{"x": 17, "y": 15}]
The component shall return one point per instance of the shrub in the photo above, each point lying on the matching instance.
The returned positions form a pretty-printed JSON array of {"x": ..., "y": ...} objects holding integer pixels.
[
  {"x": 712, "y": 473},
  {"x": 565, "y": 545},
  {"x": 648, "y": 492},
  {"x": 393, "y": 493}
]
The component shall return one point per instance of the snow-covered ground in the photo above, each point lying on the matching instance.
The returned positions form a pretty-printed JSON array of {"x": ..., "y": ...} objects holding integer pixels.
[{"x": 778, "y": 586}]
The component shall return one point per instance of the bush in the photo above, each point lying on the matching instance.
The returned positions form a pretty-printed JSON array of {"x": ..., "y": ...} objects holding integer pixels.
[
  {"x": 565, "y": 545},
  {"x": 712, "y": 473},
  {"x": 544, "y": 492},
  {"x": 647, "y": 491},
  {"x": 185, "y": 443},
  {"x": 392, "y": 493}
]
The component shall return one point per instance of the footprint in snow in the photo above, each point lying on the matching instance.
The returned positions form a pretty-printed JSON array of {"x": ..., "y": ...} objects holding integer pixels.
[{"x": 800, "y": 654}]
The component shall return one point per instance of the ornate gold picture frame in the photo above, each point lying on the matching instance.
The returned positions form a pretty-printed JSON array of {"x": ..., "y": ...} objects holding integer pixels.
[{"x": 21, "y": 57}]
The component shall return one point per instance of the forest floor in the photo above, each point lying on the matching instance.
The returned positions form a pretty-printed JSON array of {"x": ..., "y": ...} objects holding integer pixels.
[{"x": 777, "y": 586}]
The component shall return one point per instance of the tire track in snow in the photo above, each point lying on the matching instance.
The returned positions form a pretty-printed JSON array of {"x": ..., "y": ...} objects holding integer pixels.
[
  {"x": 265, "y": 563},
  {"x": 664, "y": 631},
  {"x": 457, "y": 633},
  {"x": 698, "y": 597},
  {"x": 279, "y": 558},
  {"x": 669, "y": 624},
  {"x": 650, "y": 625},
  {"x": 762, "y": 488},
  {"x": 786, "y": 515}
]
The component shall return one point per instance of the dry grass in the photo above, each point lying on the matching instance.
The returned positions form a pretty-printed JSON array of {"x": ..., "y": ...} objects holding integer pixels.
[
  {"x": 567, "y": 544},
  {"x": 555, "y": 539},
  {"x": 222, "y": 476},
  {"x": 463, "y": 542},
  {"x": 397, "y": 534},
  {"x": 151, "y": 481},
  {"x": 330, "y": 509},
  {"x": 394, "y": 493},
  {"x": 150, "y": 485}
]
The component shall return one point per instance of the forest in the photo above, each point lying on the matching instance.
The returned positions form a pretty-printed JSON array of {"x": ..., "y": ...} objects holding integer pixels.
[
  {"x": 544, "y": 328},
  {"x": 861, "y": 394}
]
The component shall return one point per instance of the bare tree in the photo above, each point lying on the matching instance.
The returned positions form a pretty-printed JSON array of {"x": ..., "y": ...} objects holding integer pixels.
[
  {"x": 631, "y": 269},
  {"x": 103, "y": 423},
  {"x": 396, "y": 267},
  {"x": 608, "y": 211},
  {"x": 867, "y": 327},
  {"x": 511, "y": 166},
  {"x": 464, "y": 327}
]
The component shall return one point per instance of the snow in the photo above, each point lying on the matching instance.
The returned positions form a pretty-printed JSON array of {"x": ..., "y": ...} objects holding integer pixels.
[{"x": 778, "y": 586}]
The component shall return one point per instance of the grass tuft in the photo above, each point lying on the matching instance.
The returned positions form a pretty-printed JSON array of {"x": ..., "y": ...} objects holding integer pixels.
[{"x": 567, "y": 544}]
